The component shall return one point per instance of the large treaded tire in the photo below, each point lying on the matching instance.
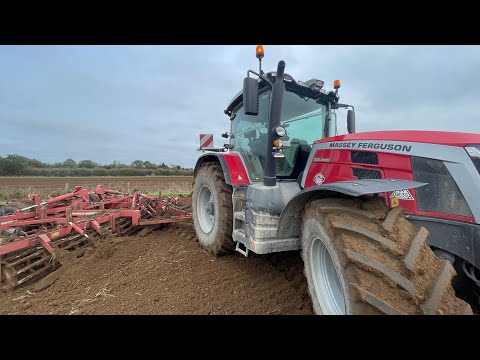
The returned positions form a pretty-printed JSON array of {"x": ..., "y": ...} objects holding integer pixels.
[
  {"x": 383, "y": 263},
  {"x": 218, "y": 241}
]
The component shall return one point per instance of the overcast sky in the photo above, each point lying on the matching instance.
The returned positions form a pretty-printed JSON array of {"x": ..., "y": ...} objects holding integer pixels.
[{"x": 124, "y": 103}]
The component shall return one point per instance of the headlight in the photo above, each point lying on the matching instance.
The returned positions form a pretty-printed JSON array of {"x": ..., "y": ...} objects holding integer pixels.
[{"x": 280, "y": 131}]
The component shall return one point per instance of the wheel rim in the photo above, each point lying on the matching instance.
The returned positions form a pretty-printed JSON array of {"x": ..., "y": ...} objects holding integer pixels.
[
  {"x": 328, "y": 287},
  {"x": 206, "y": 209}
]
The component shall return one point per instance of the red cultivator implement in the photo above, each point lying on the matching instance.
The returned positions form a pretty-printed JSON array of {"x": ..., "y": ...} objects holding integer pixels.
[{"x": 30, "y": 237}]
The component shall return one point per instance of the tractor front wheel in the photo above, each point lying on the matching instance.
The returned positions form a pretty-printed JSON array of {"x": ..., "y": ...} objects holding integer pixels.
[
  {"x": 212, "y": 210},
  {"x": 361, "y": 258}
]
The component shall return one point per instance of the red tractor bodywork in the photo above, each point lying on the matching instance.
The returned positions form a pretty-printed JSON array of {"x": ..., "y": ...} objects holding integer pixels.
[
  {"x": 390, "y": 165},
  {"x": 331, "y": 162}
]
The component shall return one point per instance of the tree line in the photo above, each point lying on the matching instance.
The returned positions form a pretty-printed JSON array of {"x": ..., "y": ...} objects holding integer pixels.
[{"x": 18, "y": 165}]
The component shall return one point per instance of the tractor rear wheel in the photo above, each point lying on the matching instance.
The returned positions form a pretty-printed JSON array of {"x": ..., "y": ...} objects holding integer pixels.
[
  {"x": 361, "y": 257},
  {"x": 212, "y": 210}
]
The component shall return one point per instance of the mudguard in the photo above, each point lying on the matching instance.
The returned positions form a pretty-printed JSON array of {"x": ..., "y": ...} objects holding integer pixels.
[
  {"x": 232, "y": 166},
  {"x": 289, "y": 223}
]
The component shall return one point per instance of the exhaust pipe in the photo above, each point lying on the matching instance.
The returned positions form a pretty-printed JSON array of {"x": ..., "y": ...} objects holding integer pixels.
[{"x": 276, "y": 102}]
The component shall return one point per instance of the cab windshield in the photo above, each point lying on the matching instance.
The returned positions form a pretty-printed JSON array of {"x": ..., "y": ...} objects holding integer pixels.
[{"x": 304, "y": 121}]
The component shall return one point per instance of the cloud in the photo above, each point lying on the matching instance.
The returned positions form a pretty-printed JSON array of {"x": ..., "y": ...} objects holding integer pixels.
[{"x": 123, "y": 103}]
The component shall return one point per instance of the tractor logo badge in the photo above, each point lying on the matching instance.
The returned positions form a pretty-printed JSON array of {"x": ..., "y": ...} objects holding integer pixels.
[
  {"x": 319, "y": 179},
  {"x": 402, "y": 194},
  {"x": 239, "y": 178}
]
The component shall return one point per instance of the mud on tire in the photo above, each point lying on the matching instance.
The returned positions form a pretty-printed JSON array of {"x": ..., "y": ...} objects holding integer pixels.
[
  {"x": 210, "y": 180},
  {"x": 383, "y": 264}
]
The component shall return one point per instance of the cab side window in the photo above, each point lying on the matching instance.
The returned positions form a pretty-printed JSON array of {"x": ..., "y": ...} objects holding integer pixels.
[{"x": 249, "y": 136}]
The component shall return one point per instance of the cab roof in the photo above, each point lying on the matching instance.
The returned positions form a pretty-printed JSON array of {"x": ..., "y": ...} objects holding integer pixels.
[{"x": 301, "y": 88}]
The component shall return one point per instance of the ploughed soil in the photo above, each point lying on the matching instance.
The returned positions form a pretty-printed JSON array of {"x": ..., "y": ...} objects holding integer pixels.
[{"x": 165, "y": 271}]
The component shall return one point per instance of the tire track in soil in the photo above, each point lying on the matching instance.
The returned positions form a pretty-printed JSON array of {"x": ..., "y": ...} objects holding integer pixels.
[{"x": 167, "y": 272}]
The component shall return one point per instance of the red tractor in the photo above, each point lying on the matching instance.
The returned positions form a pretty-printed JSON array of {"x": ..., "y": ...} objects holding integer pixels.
[{"x": 387, "y": 222}]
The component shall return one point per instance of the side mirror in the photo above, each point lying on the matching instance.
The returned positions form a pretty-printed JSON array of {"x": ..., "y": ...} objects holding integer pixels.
[
  {"x": 351, "y": 121},
  {"x": 250, "y": 96}
]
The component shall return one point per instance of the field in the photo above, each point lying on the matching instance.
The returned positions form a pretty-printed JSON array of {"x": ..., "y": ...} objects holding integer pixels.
[
  {"x": 167, "y": 272},
  {"x": 159, "y": 270},
  {"x": 20, "y": 187}
]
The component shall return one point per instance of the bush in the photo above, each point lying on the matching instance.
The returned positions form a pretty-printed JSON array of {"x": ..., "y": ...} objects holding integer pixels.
[{"x": 17, "y": 165}]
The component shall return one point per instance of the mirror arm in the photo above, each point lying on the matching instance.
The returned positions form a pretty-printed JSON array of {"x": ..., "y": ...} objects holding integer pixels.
[
  {"x": 344, "y": 106},
  {"x": 261, "y": 77}
]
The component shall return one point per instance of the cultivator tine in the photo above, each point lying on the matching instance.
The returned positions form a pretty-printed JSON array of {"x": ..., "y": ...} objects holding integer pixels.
[
  {"x": 145, "y": 214},
  {"x": 151, "y": 210}
]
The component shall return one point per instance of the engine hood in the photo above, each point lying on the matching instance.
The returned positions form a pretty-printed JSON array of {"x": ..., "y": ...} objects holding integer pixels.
[{"x": 420, "y": 136}]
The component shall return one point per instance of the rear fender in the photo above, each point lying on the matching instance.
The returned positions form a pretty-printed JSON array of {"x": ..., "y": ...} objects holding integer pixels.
[
  {"x": 232, "y": 166},
  {"x": 289, "y": 223}
]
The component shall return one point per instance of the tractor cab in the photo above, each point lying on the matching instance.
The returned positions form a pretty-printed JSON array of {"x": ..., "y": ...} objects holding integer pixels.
[{"x": 306, "y": 116}]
